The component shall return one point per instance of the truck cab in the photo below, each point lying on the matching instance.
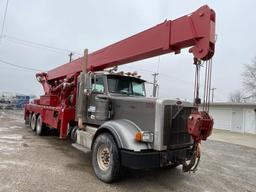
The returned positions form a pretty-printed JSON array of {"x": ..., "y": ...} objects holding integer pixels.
[
  {"x": 146, "y": 132},
  {"x": 106, "y": 87}
]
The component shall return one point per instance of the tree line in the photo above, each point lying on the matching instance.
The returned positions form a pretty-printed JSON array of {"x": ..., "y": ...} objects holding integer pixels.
[{"x": 249, "y": 85}]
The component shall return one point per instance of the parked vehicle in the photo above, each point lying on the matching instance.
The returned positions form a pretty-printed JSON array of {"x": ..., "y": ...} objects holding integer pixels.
[{"x": 21, "y": 101}]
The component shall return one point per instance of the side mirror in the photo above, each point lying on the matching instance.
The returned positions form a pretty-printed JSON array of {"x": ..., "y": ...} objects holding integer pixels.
[{"x": 88, "y": 85}]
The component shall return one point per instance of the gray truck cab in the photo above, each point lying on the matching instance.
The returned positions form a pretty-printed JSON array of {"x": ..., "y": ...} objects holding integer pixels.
[
  {"x": 124, "y": 128},
  {"x": 104, "y": 88}
]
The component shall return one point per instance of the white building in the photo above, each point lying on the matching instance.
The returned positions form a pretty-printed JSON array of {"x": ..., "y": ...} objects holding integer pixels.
[{"x": 238, "y": 117}]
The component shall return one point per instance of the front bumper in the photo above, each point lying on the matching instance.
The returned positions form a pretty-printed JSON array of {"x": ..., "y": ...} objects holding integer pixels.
[{"x": 153, "y": 159}]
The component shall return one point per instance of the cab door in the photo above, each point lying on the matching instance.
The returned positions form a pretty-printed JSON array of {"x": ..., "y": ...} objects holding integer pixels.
[{"x": 98, "y": 87}]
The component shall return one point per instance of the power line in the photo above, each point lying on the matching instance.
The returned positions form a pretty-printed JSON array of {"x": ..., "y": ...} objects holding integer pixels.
[
  {"x": 36, "y": 44},
  {"x": 19, "y": 66},
  {"x": 4, "y": 20}
]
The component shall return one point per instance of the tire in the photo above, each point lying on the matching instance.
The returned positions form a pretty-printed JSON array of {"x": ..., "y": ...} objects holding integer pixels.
[
  {"x": 33, "y": 122},
  {"x": 73, "y": 134},
  {"x": 40, "y": 126},
  {"x": 106, "y": 158}
]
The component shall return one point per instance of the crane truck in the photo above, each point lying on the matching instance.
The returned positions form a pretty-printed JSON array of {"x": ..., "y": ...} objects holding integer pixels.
[{"x": 108, "y": 113}]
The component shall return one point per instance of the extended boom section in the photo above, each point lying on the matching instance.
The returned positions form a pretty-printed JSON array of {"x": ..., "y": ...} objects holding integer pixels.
[{"x": 196, "y": 30}]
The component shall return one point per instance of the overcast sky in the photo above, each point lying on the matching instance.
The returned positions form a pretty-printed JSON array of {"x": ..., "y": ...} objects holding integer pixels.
[{"x": 79, "y": 24}]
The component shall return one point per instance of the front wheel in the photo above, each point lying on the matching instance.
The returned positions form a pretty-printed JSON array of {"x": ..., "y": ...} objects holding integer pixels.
[{"x": 106, "y": 158}]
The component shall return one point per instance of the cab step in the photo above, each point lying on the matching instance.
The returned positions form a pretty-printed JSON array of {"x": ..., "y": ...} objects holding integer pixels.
[{"x": 81, "y": 148}]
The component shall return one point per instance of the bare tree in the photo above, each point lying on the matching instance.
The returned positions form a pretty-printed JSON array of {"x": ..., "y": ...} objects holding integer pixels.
[
  {"x": 236, "y": 97},
  {"x": 249, "y": 78}
]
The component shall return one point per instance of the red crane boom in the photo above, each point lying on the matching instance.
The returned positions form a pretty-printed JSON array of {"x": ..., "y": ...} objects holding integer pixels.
[{"x": 196, "y": 30}]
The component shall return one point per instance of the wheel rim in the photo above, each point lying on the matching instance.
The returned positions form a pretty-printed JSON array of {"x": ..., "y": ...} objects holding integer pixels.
[
  {"x": 73, "y": 134},
  {"x": 33, "y": 122},
  {"x": 103, "y": 157},
  {"x": 38, "y": 126}
]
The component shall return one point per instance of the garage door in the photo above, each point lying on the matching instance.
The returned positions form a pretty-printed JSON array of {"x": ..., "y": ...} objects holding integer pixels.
[
  {"x": 237, "y": 119},
  {"x": 222, "y": 118},
  {"x": 249, "y": 121}
]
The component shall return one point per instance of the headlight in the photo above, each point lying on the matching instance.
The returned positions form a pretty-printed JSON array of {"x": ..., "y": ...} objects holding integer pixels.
[{"x": 144, "y": 136}]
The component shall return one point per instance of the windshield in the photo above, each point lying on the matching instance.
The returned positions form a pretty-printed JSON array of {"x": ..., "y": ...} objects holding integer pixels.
[{"x": 126, "y": 85}]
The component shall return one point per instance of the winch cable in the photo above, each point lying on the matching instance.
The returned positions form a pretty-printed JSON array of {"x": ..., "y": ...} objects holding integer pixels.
[
  {"x": 194, "y": 162},
  {"x": 196, "y": 82},
  {"x": 210, "y": 84},
  {"x": 197, "y": 156},
  {"x": 207, "y": 85}
]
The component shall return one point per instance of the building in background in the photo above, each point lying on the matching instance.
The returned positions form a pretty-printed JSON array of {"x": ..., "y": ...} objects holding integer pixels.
[{"x": 237, "y": 117}]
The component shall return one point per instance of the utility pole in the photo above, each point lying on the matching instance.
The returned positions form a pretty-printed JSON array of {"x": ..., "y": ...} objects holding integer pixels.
[
  {"x": 155, "y": 85},
  {"x": 212, "y": 90},
  {"x": 4, "y": 21},
  {"x": 70, "y": 56}
]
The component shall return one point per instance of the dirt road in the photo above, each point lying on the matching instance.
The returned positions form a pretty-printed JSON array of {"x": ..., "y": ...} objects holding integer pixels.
[{"x": 32, "y": 163}]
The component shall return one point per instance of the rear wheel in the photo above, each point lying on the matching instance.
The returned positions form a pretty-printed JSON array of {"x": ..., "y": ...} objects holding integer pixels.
[
  {"x": 106, "y": 158},
  {"x": 40, "y": 126},
  {"x": 33, "y": 122}
]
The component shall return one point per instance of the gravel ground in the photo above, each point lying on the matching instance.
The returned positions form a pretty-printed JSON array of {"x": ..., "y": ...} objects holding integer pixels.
[
  {"x": 32, "y": 163},
  {"x": 244, "y": 139}
]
